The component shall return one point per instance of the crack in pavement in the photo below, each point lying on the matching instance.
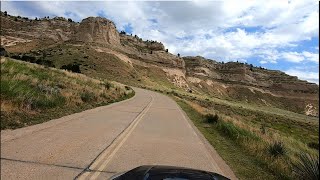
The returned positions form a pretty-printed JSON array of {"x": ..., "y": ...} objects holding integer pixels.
[{"x": 47, "y": 164}]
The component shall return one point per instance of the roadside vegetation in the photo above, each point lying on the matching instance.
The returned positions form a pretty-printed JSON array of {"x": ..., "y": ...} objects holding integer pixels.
[
  {"x": 32, "y": 94},
  {"x": 256, "y": 142},
  {"x": 253, "y": 151}
]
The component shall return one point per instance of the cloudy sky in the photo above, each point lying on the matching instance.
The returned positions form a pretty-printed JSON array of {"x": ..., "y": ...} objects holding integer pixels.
[{"x": 277, "y": 34}]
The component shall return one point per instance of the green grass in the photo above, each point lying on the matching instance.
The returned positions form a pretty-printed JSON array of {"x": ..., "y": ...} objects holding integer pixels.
[
  {"x": 243, "y": 164},
  {"x": 301, "y": 127},
  {"x": 233, "y": 132},
  {"x": 32, "y": 94},
  {"x": 246, "y": 148}
]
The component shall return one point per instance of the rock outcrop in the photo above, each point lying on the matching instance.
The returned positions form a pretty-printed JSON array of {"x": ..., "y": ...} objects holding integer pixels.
[
  {"x": 99, "y": 30},
  {"x": 137, "y": 57},
  {"x": 155, "y": 46}
]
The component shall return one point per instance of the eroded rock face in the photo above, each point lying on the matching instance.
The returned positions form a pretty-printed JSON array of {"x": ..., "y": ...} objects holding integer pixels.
[
  {"x": 21, "y": 30},
  {"x": 155, "y": 46},
  {"x": 97, "y": 29},
  {"x": 311, "y": 110}
]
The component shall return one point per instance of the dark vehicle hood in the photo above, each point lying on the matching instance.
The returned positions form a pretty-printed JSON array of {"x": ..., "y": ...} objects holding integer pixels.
[{"x": 167, "y": 172}]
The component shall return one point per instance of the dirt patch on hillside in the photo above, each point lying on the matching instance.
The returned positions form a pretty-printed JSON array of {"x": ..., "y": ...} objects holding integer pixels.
[
  {"x": 252, "y": 89},
  {"x": 122, "y": 57},
  {"x": 194, "y": 79},
  {"x": 177, "y": 77},
  {"x": 311, "y": 110},
  {"x": 12, "y": 41},
  {"x": 209, "y": 82}
]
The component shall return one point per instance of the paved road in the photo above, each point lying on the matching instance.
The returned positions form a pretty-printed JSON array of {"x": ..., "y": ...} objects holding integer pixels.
[{"x": 147, "y": 129}]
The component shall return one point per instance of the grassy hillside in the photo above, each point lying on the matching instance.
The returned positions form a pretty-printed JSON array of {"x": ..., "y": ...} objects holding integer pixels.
[
  {"x": 95, "y": 63},
  {"x": 256, "y": 145},
  {"x": 32, "y": 94}
]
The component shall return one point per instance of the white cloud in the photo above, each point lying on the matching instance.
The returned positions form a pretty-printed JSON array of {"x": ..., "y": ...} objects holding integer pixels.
[
  {"x": 311, "y": 56},
  {"x": 304, "y": 75},
  {"x": 263, "y": 62},
  {"x": 222, "y": 30},
  {"x": 293, "y": 57},
  {"x": 299, "y": 57}
]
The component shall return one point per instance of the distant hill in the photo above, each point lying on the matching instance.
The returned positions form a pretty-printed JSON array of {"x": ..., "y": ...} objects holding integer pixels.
[{"x": 100, "y": 51}]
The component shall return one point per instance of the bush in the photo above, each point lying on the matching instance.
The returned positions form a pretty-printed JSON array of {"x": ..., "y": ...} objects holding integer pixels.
[
  {"x": 28, "y": 58},
  {"x": 44, "y": 102},
  {"x": 72, "y": 67},
  {"x": 49, "y": 90},
  {"x": 87, "y": 96},
  {"x": 107, "y": 85},
  {"x": 263, "y": 129},
  {"x": 307, "y": 167},
  {"x": 210, "y": 118},
  {"x": 174, "y": 93},
  {"x": 127, "y": 88},
  {"x": 45, "y": 63},
  {"x": 233, "y": 132},
  {"x": 3, "y": 52},
  {"x": 228, "y": 129},
  {"x": 277, "y": 149},
  {"x": 313, "y": 145}
]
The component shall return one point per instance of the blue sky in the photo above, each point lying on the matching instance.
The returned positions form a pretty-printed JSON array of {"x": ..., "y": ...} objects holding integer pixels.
[{"x": 279, "y": 34}]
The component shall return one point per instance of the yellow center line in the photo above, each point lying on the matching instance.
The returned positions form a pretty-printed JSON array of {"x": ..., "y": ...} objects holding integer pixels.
[{"x": 114, "y": 147}]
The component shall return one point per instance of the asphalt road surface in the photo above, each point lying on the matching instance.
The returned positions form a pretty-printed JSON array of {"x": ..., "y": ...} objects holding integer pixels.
[{"x": 148, "y": 129}]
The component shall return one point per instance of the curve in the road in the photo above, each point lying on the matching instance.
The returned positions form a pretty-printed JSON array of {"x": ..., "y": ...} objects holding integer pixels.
[{"x": 148, "y": 129}]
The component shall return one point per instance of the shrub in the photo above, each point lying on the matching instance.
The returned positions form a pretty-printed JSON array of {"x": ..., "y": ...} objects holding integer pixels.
[
  {"x": 263, "y": 129},
  {"x": 313, "y": 145},
  {"x": 107, "y": 85},
  {"x": 307, "y": 167},
  {"x": 174, "y": 93},
  {"x": 277, "y": 149},
  {"x": 228, "y": 129},
  {"x": 127, "y": 88},
  {"x": 45, "y": 63},
  {"x": 72, "y": 67},
  {"x": 28, "y": 58},
  {"x": 87, "y": 96},
  {"x": 3, "y": 52},
  {"x": 210, "y": 118},
  {"x": 231, "y": 131},
  {"x": 48, "y": 89},
  {"x": 44, "y": 102}
]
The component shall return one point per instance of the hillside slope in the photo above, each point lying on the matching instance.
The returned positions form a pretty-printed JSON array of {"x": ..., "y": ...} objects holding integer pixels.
[
  {"x": 96, "y": 47},
  {"x": 32, "y": 94}
]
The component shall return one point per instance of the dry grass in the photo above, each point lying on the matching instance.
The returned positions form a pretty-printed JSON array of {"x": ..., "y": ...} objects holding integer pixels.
[
  {"x": 29, "y": 91},
  {"x": 259, "y": 147}
]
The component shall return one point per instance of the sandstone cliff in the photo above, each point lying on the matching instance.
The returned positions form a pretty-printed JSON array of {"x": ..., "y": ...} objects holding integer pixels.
[
  {"x": 98, "y": 48},
  {"x": 97, "y": 29}
]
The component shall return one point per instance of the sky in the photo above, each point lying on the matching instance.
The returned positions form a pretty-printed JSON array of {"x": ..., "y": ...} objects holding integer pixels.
[{"x": 277, "y": 34}]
